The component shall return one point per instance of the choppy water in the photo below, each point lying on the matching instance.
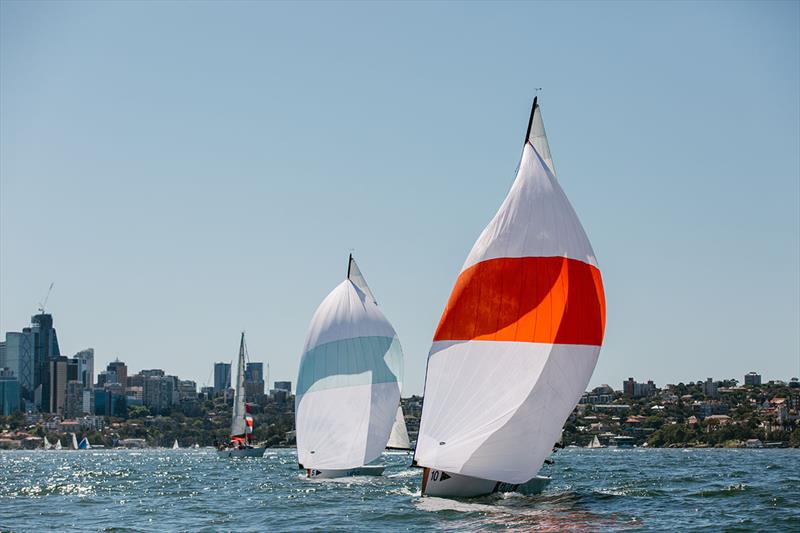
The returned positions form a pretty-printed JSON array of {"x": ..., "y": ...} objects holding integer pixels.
[{"x": 592, "y": 490}]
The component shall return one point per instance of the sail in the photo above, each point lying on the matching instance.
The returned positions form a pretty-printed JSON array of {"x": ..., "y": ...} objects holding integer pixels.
[
  {"x": 518, "y": 339},
  {"x": 595, "y": 443},
  {"x": 58, "y": 445},
  {"x": 46, "y": 444},
  {"x": 84, "y": 445},
  {"x": 348, "y": 386},
  {"x": 74, "y": 445},
  {"x": 237, "y": 416},
  {"x": 398, "y": 439}
]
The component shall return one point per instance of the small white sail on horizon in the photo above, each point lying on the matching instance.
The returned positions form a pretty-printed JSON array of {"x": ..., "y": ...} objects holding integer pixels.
[
  {"x": 595, "y": 443},
  {"x": 398, "y": 439},
  {"x": 175, "y": 445},
  {"x": 57, "y": 445},
  {"x": 348, "y": 386},
  {"x": 46, "y": 445},
  {"x": 74, "y": 444}
]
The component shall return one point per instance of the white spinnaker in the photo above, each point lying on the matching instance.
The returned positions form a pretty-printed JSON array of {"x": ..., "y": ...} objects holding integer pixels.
[
  {"x": 399, "y": 436},
  {"x": 74, "y": 444},
  {"x": 238, "y": 426},
  {"x": 348, "y": 386},
  {"x": 494, "y": 408}
]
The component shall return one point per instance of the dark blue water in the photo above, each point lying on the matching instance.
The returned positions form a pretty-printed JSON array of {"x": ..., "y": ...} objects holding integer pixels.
[{"x": 592, "y": 490}]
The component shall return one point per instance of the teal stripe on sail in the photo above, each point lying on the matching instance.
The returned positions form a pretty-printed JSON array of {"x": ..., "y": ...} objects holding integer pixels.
[{"x": 349, "y": 363}]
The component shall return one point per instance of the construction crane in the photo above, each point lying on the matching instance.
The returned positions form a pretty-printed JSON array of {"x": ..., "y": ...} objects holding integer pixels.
[{"x": 43, "y": 303}]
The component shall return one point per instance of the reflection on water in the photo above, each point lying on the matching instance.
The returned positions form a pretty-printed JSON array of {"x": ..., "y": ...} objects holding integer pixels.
[{"x": 592, "y": 490}]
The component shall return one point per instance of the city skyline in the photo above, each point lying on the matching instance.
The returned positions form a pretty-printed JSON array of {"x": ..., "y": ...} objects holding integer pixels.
[
  {"x": 225, "y": 377},
  {"x": 180, "y": 189}
]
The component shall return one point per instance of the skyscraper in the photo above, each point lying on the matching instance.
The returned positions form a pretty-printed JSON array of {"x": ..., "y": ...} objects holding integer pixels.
[
  {"x": 73, "y": 399},
  {"x": 57, "y": 384},
  {"x": 9, "y": 392},
  {"x": 19, "y": 357},
  {"x": 85, "y": 359},
  {"x": 222, "y": 377},
  {"x": 120, "y": 369},
  {"x": 253, "y": 381},
  {"x": 45, "y": 347}
]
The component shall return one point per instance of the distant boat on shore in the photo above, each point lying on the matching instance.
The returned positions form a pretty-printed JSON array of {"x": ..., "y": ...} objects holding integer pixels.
[
  {"x": 595, "y": 443},
  {"x": 517, "y": 342},
  {"x": 175, "y": 445},
  {"x": 74, "y": 444}
]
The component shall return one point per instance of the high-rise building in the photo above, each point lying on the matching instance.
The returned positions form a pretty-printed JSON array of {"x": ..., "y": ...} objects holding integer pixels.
[
  {"x": 158, "y": 393},
  {"x": 102, "y": 402},
  {"x": 88, "y": 400},
  {"x": 253, "y": 381},
  {"x": 73, "y": 400},
  {"x": 57, "y": 384},
  {"x": 709, "y": 388},
  {"x": 752, "y": 379},
  {"x": 106, "y": 377},
  {"x": 222, "y": 377},
  {"x": 284, "y": 385},
  {"x": 45, "y": 348},
  {"x": 85, "y": 360},
  {"x": 187, "y": 389},
  {"x": 9, "y": 392},
  {"x": 19, "y": 357},
  {"x": 120, "y": 369},
  {"x": 638, "y": 390}
]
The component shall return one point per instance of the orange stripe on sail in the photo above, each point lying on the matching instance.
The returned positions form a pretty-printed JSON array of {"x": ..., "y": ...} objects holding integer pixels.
[{"x": 553, "y": 300}]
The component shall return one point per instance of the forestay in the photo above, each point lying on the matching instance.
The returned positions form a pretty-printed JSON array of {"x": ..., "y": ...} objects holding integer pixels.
[
  {"x": 349, "y": 381},
  {"x": 519, "y": 337}
]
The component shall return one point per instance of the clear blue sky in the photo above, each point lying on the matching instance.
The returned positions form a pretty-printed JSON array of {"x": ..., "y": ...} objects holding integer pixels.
[{"x": 184, "y": 171}]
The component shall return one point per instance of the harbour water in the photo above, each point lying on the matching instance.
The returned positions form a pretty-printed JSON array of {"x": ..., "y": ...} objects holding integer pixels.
[{"x": 592, "y": 490}]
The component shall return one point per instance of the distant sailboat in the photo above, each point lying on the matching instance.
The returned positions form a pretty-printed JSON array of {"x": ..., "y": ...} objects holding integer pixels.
[
  {"x": 84, "y": 444},
  {"x": 46, "y": 444},
  {"x": 517, "y": 342},
  {"x": 240, "y": 444},
  {"x": 595, "y": 443},
  {"x": 57, "y": 445},
  {"x": 175, "y": 445},
  {"x": 74, "y": 444},
  {"x": 348, "y": 387},
  {"x": 398, "y": 440}
]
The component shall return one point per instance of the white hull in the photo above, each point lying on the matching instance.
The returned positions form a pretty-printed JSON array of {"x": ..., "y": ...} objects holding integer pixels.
[
  {"x": 448, "y": 485},
  {"x": 346, "y": 472},
  {"x": 244, "y": 452}
]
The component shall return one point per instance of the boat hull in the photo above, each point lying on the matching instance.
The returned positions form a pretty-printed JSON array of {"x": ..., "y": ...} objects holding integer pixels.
[
  {"x": 448, "y": 485},
  {"x": 244, "y": 452},
  {"x": 330, "y": 473}
]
